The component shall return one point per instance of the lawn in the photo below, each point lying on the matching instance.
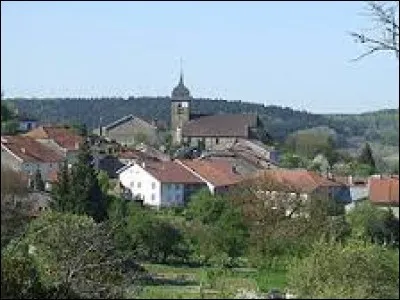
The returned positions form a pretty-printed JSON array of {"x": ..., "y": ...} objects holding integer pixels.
[{"x": 179, "y": 282}]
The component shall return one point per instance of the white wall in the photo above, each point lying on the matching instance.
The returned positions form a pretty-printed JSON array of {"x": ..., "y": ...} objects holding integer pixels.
[
  {"x": 142, "y": 184},
  {"x": 151, "y": 190},
  {"x": 27, "y": 125}
]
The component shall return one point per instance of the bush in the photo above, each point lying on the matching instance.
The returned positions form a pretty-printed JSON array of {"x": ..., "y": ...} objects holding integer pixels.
[
  {"x": 217, "y": 232},
  {"x": 145, "y": 234},
  {"x": 71, "y": 254},
  {"x": 353, "y": 271},
  {"x": 373, "y": 224}
]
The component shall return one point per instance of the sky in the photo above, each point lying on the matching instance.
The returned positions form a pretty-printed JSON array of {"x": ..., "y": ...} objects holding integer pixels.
[{"x": 290, "y": 54}]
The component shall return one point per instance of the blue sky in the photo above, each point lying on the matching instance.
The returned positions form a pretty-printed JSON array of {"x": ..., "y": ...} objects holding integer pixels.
[{"x": 294, "y": 54}]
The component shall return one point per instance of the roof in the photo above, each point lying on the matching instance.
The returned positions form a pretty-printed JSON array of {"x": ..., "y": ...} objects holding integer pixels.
[
  {"x": 30, "y": 150},
  {"x": 351, "y": 181},
  {"x": 127, "y": 119},
  {"x": 224, "y": 125},
  {"x": 131, "y": 154},
  {"x": 64, "y": 137},
  {"x": 300, "y": 180},
  {"x": 171, "y": 172},
  {"x": 384, "y": 191},
  {"x": 180, "y": 92},
  {"x": 217, "y": 172},
  {"x": 52, "y": 176}
]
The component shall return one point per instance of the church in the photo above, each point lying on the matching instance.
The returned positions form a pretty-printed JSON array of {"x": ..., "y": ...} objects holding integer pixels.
[{"x": 210, "y": 132}]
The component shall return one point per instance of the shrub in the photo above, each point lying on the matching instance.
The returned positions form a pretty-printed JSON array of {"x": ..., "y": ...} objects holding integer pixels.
[{"x": 355, "y": 270}]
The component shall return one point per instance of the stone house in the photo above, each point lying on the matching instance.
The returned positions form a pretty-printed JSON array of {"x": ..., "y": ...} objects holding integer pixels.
[
  {"x": 26, "y": 155},
  {"x": 130, "y": 130},
  {"x": 59, "y": 138}
]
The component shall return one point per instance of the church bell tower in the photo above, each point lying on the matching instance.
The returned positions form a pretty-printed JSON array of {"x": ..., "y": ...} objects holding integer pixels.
[{"x": 180, "y": 109}]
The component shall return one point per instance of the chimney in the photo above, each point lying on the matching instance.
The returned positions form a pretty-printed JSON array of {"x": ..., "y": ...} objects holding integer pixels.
[
  {"x": 143, "y": 165},
  {"x": 350, "y": 180},
  {"x": 76, "y": 145},
  {"x": 23, "y": 150}
]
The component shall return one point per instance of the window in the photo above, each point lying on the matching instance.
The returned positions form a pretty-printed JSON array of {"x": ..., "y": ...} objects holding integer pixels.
[
  {"x": 132, "y": 184},
  {"x": 139, "y": 184},
  {"x": 177, "y": 198},
  {"x": 153, "y": 197},
  {"x": 153, "y": 185},
  {"x": 217, "y": 141}
]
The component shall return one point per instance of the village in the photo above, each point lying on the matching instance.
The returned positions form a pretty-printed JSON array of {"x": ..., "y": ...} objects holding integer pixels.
[{"x": 216, "y": 152}]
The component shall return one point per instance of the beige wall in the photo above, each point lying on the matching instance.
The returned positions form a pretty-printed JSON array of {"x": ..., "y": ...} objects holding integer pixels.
[{"x": 212, "y": 143}]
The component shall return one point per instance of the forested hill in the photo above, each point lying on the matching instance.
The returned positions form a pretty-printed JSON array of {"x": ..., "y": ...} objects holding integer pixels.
[{"x": 381, "y": 126}]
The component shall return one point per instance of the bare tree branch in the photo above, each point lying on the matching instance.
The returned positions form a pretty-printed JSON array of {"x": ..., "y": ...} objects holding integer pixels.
[{"x": 386, "y": 36}]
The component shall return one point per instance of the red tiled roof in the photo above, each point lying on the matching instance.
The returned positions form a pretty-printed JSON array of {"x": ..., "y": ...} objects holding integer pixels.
[
  {"x": 170, "y": 172},
  {"x": 61, "y": 135},
  {"x": 219, "y": 173},
  {"x": 384, "y": 191},
  {"x": 131, "y": 154},
  {"x": 30, "y": 150},
  {"x": 52, "y": 176},
  {"x": 355, "y": 181},
  {"x": 300, "y": 180}
]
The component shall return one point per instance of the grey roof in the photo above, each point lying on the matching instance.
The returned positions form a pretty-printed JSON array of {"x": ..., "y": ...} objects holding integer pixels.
[
  {"x": 124, "y": 120},
  {"x": 227, "y": 125},
  {"x": 180, "y": 92}
]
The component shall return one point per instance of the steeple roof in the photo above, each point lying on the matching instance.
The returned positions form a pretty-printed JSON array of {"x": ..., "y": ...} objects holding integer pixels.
[{"x": 181, "y": 92}]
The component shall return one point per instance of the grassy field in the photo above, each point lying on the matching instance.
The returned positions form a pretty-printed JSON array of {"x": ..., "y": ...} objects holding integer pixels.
[{"x": 172, "y": 282}]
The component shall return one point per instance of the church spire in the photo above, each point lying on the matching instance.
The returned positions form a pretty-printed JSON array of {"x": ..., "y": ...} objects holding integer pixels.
[{"x": 181, "y": 76}]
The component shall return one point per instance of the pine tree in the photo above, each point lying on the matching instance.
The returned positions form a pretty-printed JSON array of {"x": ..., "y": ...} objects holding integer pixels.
[
  {"x": 61, "y": 193},
  {"x": 85, "y": 188},
  {"x": 366, "y": 157}
]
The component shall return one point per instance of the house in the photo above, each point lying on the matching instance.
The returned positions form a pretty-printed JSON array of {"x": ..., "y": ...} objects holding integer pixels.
[
  {"x": 218, "y": 175},
  {"x": 210, "y": 131},
  {"x": 301, "y": 185},
  {"x": 359, "y": 189},
  {"x": 158, "y": 183},
  {"x": 26, "y": 123},
  {"x": 107, "y": 163},
  {"x": 129, "y": 130},
  {"x": 59, "y": 138},
  {"x": 127, "y": 156},
  {"x": 384, "y": 193},
  {"x": 25, "y": 154}
]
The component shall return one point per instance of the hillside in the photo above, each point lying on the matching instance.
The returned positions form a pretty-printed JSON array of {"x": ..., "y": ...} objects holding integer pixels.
[{"x": 380, "y": 127}]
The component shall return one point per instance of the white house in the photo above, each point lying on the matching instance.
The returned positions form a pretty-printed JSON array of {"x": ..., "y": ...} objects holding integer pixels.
[
  {"x": 158, "y": 183},
  {"x": 24, "y": 154}
]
